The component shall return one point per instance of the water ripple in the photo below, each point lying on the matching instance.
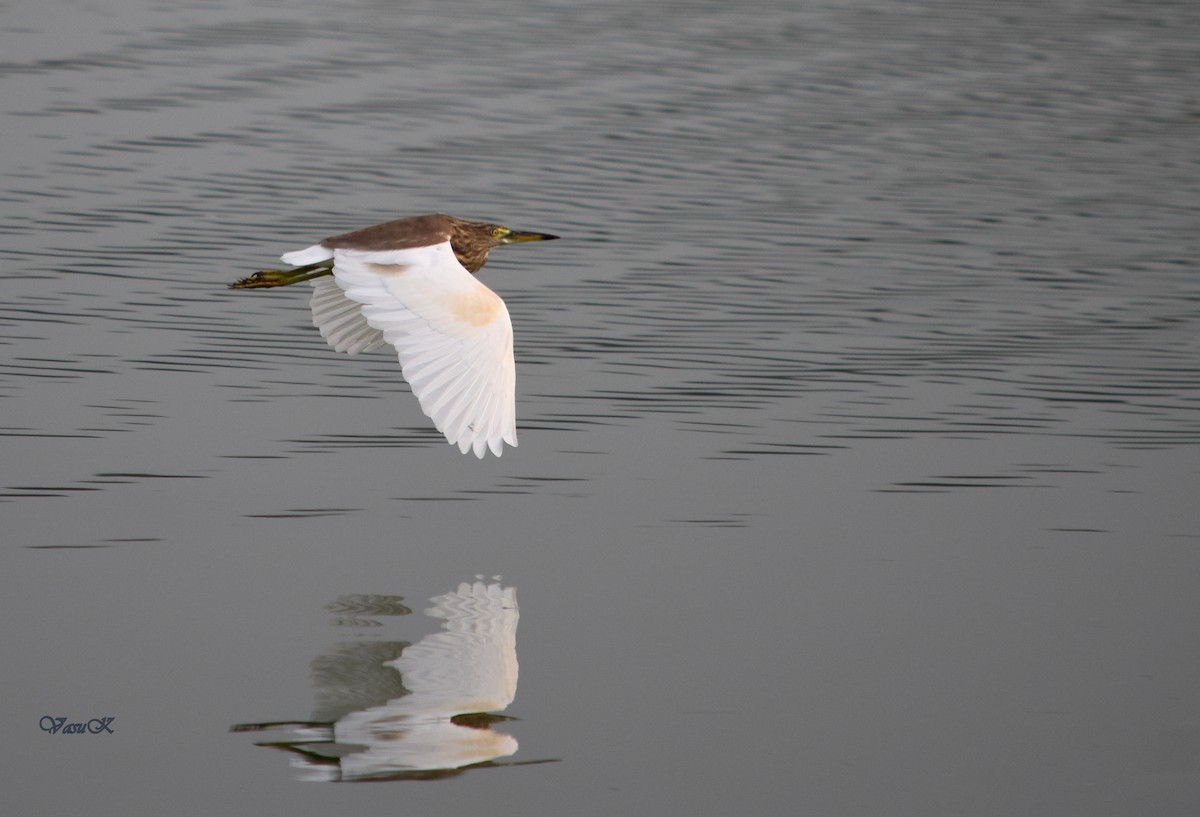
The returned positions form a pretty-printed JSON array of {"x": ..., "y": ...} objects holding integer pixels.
[{"x": 783, "y": 256}]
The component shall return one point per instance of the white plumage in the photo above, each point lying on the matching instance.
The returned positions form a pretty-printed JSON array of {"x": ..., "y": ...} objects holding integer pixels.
[{"x": 452, "y": 334}]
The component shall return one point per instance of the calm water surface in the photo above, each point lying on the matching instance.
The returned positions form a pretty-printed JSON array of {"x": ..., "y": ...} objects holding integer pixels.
[{"x": 859, "y": 411}]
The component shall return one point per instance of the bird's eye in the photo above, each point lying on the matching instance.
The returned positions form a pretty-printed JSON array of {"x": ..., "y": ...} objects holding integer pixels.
[{"x": 499, "y": 232}]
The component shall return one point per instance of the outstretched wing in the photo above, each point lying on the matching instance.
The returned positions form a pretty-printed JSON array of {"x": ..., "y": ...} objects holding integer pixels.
[
  {"x": 340, "y": 320},
  {"x": 471, "y": 665},
  {"x": 453, "y": 335}
]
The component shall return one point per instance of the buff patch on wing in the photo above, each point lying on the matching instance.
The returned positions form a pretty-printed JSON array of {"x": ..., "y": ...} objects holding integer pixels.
[
  {"x": 477, "y": 307},
  {"x": 387, "y": 270}
]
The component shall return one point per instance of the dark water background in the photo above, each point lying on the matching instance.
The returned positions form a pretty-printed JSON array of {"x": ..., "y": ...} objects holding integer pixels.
[{"x": 859, "y": 406}]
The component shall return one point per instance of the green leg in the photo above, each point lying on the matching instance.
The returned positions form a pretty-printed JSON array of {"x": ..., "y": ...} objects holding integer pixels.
[{"x": 281, "y": 278}]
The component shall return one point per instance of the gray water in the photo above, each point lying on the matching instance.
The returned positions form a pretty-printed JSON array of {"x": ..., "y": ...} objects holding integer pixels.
[{"x": 859, "y": 410}]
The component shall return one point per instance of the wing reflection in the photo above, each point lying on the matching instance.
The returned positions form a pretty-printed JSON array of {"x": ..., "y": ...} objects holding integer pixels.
[{"x": 391, "y": 710}]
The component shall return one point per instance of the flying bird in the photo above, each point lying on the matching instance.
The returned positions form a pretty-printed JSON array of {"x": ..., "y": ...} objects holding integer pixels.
[{"x": 411, "y": 283}]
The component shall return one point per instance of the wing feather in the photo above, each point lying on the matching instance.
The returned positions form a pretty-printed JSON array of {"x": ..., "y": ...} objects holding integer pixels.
[
  {"x": 452, "y": 334},
  {"x": 340, "y": 320}
]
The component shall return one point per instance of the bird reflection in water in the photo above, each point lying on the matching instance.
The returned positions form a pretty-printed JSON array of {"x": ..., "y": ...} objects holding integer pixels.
[{"x": 393, "y": 711}]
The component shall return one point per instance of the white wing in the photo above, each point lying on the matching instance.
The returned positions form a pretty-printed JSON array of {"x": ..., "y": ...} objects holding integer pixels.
[
  {"x": 471, "y": 666},
  {"x": 468, "y": 667},
  {"x": 452, "y": 333},
  {"x": 340, "y": 320}
]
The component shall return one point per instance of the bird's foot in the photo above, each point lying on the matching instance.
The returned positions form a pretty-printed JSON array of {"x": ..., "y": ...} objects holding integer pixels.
[
  {"x": 265, "y": 278},
  {"x": 281, "y": 278}
]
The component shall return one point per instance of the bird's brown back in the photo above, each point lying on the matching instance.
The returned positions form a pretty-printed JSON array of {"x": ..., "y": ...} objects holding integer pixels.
[{"x": 471, "y": 241}]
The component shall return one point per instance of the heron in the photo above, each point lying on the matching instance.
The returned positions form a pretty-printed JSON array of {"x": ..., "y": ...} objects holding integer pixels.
[{"x": 410, "y": 284}]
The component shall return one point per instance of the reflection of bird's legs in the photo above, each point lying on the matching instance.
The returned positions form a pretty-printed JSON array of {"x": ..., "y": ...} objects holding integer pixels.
[{"x": 281, "y": 278}]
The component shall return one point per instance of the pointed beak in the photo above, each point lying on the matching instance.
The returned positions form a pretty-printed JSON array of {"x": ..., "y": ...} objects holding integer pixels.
[{"x": 516, "y": 237}]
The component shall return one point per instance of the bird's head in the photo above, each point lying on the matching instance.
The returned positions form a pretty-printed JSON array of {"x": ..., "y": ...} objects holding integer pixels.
[{"x": 473, "y": 240}]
